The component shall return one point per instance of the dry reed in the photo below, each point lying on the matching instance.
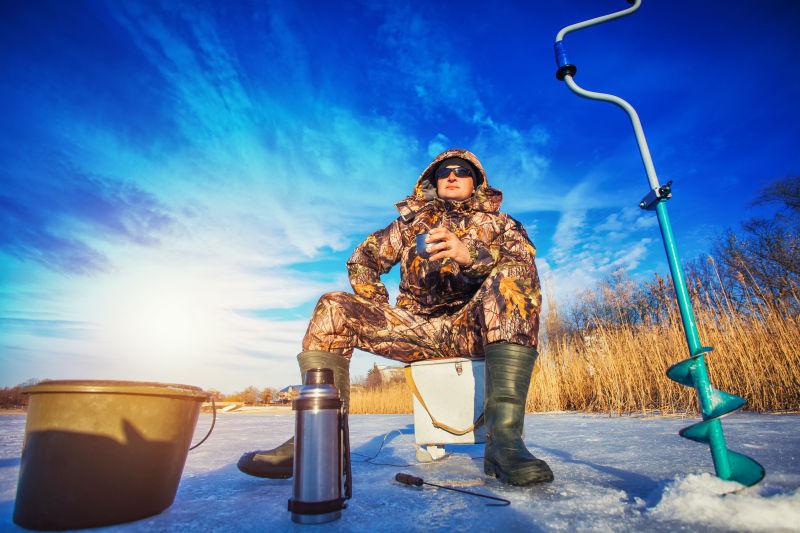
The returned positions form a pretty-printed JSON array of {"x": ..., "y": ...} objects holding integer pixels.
[
  {"x": 622, "y": 369},
  {"x": 386, "y": 399}
]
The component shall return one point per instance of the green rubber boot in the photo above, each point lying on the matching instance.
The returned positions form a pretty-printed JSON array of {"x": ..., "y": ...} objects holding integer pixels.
[
  {"x": 277, "y": 463},
  {"x": 508, "y": 375}
]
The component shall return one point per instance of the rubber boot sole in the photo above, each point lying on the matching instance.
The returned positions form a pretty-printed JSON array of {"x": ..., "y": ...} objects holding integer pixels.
[
  {"x": 530, "y": 475},
  {"x": 246, "y": 466},
  {"x": 268, "y": 476}
]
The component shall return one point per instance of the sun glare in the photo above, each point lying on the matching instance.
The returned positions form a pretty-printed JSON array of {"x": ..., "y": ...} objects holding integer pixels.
[{"x": 166, "y": 320}]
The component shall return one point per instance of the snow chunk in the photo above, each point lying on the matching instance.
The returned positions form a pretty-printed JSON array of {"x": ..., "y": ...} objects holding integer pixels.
[{"x": 706, "y": 499}]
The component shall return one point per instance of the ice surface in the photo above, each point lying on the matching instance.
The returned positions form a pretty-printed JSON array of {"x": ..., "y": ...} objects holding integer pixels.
[{"x": 612, "y": 474}]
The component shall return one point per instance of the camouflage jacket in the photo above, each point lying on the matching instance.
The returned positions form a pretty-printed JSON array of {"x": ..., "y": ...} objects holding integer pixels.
[{"x": 431, "y": 288}]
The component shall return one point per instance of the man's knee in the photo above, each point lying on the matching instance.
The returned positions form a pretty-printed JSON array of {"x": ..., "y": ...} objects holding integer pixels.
[
  {"x": 335, "y": 299},
  {"x": 328, "y": 324},
  {"x": 337, "y": 303}
]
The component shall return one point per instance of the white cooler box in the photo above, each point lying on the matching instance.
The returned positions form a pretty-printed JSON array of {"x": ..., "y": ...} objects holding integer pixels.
[{"x": 448, "y": 404}]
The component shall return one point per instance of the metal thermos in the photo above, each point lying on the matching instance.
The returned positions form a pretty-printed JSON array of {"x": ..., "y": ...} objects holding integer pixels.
[{"x": 321, "y": 451}]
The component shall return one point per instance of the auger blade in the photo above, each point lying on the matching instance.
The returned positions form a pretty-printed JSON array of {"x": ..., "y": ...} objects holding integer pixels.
[
  {"x": 697, "y": 432},
  {"x": 723, "y": 403},
  {"x": 745, "y": 470},
  {"x": 682, "y": 372}
]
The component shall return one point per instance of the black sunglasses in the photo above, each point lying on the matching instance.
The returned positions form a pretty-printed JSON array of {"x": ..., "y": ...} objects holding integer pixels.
[{"x": 461, "y": 172}]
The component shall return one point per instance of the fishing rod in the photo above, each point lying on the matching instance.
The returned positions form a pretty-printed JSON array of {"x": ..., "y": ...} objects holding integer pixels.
[
  {"x": 691, "y": 372},
  {"x": 408, "y": 479}
]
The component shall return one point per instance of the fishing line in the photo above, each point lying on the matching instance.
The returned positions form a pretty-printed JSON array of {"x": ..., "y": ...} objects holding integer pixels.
[{"x": 371, "y": 459}]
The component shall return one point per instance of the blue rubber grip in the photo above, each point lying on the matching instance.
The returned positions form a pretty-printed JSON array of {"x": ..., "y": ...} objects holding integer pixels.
[
  {"x": 565, "y": 68},
  {"x": 561, "y": 54}
]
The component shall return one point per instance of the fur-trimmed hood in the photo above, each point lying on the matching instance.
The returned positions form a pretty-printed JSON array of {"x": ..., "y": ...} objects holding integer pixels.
[{"x": 485, "y": 198}]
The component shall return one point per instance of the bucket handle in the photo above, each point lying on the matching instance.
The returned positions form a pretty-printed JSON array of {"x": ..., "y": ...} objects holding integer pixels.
[{"x": 213, "y": 422}]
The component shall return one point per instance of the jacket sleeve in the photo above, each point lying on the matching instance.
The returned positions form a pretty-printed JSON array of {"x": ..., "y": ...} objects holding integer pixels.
[
  {"x": 484, "y": 257},
  {"x": 510, "y": 246},
  {"x": 373, "y": 258},
  {"x": 516, "y": 247},
  {"x": 513, "y": 284}
]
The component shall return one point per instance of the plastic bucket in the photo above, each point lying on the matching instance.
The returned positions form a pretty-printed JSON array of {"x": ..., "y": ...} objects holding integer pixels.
[{"x": 103, "y": 452}]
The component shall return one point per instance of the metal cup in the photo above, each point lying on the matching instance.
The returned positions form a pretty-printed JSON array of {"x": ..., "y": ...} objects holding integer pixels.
[{"x": 422, "y": 246}]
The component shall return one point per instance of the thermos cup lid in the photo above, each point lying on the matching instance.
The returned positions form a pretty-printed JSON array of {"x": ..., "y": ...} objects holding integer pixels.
[{"x": 319, "y": 376}]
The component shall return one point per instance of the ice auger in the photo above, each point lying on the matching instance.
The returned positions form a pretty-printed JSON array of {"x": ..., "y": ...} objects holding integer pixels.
[{"x": 691, "y": 372}]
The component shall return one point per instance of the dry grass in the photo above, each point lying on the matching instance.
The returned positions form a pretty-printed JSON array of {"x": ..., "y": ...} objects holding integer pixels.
[
  {"x": 391, "y": 398},
  {"x": 623, "y": 369}
]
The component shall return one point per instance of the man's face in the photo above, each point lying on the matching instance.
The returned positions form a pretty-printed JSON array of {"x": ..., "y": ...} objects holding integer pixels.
[{"x": 452, "y": 187}]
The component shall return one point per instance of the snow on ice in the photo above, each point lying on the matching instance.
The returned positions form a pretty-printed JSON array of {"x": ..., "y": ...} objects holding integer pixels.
[{"x": 612, "y": 474}]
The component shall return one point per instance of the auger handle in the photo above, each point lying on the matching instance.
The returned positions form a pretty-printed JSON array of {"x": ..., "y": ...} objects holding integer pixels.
[
  {"x": 566, "y": 72},
  {"x": 408, "y": 479},
  {"x": 635, "y": 4}
]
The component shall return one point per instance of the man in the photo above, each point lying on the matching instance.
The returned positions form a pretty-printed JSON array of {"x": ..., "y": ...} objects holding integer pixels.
[{"x": 476, "y": 295}]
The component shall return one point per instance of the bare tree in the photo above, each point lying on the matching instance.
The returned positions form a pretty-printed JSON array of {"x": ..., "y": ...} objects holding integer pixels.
[
  {"x": 785, "y": 192},
  {"x": 216, "y": 395},
  {"x": 268, "y": 394},
  {"x": 250, "y": 395},
  {"x": 762, "y": 261},
  {"x": 374, "y": 378}
]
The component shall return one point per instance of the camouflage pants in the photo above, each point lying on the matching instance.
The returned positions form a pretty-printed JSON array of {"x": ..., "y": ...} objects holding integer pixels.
[{"x": 343, "y": 321}]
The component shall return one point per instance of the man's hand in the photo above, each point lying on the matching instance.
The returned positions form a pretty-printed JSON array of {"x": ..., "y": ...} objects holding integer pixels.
[{"x": 443, "y": 243}]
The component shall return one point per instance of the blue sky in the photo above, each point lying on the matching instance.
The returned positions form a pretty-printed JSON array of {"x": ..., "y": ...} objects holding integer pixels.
[{"x": 181, "y": 181}]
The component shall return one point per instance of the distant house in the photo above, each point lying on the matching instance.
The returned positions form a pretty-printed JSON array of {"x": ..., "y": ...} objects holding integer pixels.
[
  {"x": 390, "y": 373},
  {"x": 289, "y": 393}
]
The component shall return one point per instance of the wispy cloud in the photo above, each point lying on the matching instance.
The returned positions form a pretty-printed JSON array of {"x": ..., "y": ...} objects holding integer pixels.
[
  {"x": 584, "y": 252},
  {"x": 568, "y": 234},
  {"x": 447, "y": 90},
  {"x": 55, "y": 207},
  {"x": 424, "y": 66}
]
